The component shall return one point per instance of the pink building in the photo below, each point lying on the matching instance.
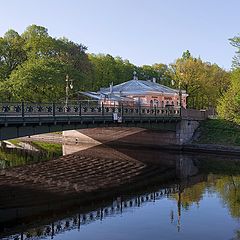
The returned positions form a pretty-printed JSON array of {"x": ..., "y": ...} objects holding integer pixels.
[{"x": 140, "y": 92}]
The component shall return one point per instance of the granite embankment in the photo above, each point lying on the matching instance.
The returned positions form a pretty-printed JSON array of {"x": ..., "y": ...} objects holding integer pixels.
[
  {"x": 78, "y": 175},
  {"x": 139, "y": 139}
]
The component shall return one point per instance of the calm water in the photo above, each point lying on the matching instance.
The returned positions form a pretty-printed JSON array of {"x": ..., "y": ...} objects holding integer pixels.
[{"x": 202, "y": 202}]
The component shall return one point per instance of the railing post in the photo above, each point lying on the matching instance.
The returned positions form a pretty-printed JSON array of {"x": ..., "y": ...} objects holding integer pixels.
[
  {"x": 53, "y": 109},
  {"x": 122, "y": 112},
  {"x": 102, "y": 109},
  {"x": 80, "y": 108},
  {"x": 23, "y": 109}
]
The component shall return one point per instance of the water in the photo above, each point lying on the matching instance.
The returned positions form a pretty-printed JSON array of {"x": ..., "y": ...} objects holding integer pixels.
[{"x": 201, "y": 202}]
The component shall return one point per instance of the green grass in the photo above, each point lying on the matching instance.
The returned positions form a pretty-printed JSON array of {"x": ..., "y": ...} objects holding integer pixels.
[
  {"x": 60, "y": 133},
  {"x": 218, "y": 131},
  {"x": 51, "y": 148},
  {"x": 15, "y": 141}
]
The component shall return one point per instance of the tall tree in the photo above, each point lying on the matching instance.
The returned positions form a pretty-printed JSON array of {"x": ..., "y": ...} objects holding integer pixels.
[
  {"x": 229, "y": 104},
  {"x": 205, "y": 83},
  {"x": 235, "y": 41},
  {"x": 12, "y": 53}
]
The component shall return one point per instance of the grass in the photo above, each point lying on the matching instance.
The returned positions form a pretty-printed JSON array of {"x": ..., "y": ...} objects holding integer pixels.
[
  {"x": 15, "y": 141},
  {"x": 218, "y": 131},
  {"x": 16, "y": 157},
  {"x": 51, "y": 148},
  {"x": 60, "y": 133}
]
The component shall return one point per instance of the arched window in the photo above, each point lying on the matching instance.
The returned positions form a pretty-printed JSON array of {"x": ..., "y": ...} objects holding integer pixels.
[
  {"x": 162, "y": 103},
  {"x": 172, "y": 103},
  {"x": 151, "y": 103}
]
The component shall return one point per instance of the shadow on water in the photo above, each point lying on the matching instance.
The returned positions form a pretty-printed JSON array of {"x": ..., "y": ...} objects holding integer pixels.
[{"x": 184, "y": 179}]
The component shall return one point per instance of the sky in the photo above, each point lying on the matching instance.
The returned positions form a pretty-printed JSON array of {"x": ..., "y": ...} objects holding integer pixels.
[{"x": 142, "y": 31}]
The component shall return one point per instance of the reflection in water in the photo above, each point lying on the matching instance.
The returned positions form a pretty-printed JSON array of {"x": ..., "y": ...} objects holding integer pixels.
[{"x": 201, "y": 201}]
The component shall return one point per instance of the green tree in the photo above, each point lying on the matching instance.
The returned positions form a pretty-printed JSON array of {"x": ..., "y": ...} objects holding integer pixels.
[
  {"x": 33, "y": 66},
  {"x": 37, "y": 42},
  {"x": 235, "y": 42},
  {"x": 41, "y": 80},
  {"x": 107, "y": 69},
  {"x": 12, "y": 53},
  {"x": 229, "y": 104},
  {"x": 204, "y": 82}
]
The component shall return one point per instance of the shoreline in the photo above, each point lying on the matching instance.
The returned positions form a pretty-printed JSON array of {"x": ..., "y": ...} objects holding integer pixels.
[{"x": 190, "y": 147}]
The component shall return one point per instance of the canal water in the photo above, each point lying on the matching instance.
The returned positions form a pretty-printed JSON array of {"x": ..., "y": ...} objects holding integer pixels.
[{"x": 201, "y": 202}]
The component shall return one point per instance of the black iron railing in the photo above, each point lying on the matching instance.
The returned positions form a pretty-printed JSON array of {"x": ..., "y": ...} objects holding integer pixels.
[{"x": 84, "y": 108}]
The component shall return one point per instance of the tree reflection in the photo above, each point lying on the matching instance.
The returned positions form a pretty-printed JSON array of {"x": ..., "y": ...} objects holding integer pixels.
[{"x": 228, "y": 188}]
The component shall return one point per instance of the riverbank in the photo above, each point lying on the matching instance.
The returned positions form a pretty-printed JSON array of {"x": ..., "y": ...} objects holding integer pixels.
[
  {"x": 218, "y": 132},
  {"x": 75, "y": 180},
  {"x": 213, "y": 136}
]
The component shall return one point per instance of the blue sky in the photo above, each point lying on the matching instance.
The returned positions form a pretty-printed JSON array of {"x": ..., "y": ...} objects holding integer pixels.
[{"x": 143, "y": 31}]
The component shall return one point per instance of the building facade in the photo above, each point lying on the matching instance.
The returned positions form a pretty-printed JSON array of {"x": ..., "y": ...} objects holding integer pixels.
[{"x": 140, "y": 92}]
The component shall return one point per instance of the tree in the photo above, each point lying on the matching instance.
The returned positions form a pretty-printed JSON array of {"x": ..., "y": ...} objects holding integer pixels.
[
  {"x": 107, "y": 69},
  {"x": 229, "y": 104},
  {"x": 205, "y": 83},
  {"x": 235, "y": 42},
  {"x": 37, "y": 42},
  {"x": 12, "y": 53},
  {"x": 39, "y": 63},
  {"x": 42, "y": 80},
  {"x": 186, "y": 55}
]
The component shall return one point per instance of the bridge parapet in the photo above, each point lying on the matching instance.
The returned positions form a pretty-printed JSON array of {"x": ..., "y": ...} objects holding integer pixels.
[
  {"x": 25, "y": 119},
  {"x": 194, "y": 114},
  {"x": 82, "y": 108}
]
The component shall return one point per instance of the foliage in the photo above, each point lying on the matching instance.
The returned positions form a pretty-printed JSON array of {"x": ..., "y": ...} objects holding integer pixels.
[
  {"x": 41, "y": 80},
  {"x": 107, "y": 69},
  {"x": 229, "y": 105},
  {"x": 222, "y": 177},
  {"x": 235, "y": 42},
  {"x": 33, "y": 67},
  {"x": 16, "y": 157},
  {"x": 229, "y": 190},
  {"x": 205, "y": 83},
  {"x": 12, "y": 53},
  {"x": 219, "y": 131},
  {"x": 50, "y": 148}
]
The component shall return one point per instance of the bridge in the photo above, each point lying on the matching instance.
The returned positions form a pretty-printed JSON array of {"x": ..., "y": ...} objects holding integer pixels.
[{"x": 25, "y": 119}]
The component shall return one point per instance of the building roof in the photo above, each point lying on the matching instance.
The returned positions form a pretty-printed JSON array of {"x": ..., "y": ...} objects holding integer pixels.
[
  {"x": 138, "y": 87},
  {"x": 123, "y": 91}
]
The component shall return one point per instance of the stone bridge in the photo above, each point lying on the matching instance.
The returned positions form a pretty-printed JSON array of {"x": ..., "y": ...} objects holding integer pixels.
[{"x": 26, "y": 119}]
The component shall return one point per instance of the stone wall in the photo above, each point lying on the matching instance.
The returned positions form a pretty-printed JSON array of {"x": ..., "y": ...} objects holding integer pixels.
[{"x": 185, "y": 130}]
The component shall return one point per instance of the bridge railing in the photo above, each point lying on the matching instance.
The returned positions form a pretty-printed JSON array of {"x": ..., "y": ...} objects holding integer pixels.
[{"x": 84, "y": 108}]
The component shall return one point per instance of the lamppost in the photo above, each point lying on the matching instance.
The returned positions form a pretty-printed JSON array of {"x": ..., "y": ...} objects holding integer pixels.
[
  {"x": 69, "y": 85},
  {"x": 180, "y": 90}
]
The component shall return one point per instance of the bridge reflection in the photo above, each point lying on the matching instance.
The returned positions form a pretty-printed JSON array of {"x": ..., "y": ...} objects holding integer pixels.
[
  {"x": 41, "y": 217},
  {"x": 75, "y": 221}
]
